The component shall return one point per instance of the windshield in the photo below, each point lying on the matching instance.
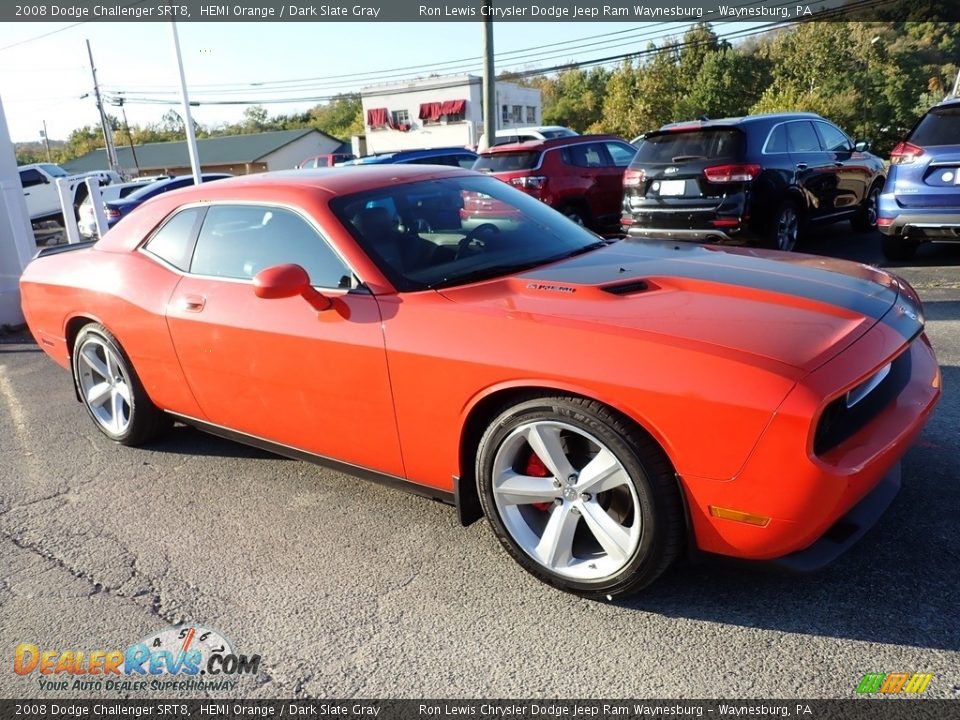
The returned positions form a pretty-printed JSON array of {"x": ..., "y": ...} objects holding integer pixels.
[
  {"x": 439, "y": 233},
  {"x": 53, "y": 170}
]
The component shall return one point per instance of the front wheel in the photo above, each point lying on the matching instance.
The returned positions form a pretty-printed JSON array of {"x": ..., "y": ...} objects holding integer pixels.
[
  {"x": 866, "y": 218},
  {"x": 111, "y": 391},
  {"x": 579, "y": 497}
]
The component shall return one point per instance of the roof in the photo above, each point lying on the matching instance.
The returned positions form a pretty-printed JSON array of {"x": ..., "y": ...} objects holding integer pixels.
[
  {"x": 713, "y": 122},
  {"x": 401, "y": 156},
  {"x": 529, "y": 145},
  {"x": 225, "y": 150}
]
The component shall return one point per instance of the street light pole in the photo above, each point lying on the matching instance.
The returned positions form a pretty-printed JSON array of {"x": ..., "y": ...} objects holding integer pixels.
[{"x": 187, "y": 118}]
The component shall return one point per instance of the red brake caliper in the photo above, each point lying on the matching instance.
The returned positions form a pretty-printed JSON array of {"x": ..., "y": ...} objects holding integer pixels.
[{"x": 536, "y": 468}]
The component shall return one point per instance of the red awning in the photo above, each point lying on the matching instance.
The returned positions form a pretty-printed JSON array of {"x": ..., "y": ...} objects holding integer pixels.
[
  {"x": 377, "y": 117},
  {"x": 452, "y": 107},
  {"x": 433, "y": 111}
]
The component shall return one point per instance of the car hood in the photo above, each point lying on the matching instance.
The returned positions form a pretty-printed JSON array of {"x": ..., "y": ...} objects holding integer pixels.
[{"x": 785, "y": 308}]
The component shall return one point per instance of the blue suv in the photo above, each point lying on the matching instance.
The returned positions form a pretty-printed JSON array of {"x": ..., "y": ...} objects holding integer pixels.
[{"x": 921, "y": 199}]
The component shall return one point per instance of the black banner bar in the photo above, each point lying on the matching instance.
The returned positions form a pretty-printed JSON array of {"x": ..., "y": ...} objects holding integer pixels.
[
  {"x": 893, "y": 708},
  {"x": 681, "y": 11}
]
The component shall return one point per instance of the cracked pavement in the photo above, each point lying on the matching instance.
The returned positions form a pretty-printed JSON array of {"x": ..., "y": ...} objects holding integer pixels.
[{"x": 348, "y": 589}]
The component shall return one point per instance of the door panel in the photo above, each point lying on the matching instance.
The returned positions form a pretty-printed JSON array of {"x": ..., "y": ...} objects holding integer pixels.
[
  {"x": 814, "y": 169},
  {"x": 279, "y": 370}
]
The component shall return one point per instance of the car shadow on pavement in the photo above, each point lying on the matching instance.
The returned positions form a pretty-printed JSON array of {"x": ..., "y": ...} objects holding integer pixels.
[
  {"x": 186, "y": 440},
  {"x": 941, "y": 310},
  {"x": 897, "y": 585}
]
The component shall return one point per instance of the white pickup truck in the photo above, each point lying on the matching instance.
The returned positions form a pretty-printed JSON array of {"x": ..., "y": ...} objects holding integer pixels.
[{"x": 40, "y": 190}]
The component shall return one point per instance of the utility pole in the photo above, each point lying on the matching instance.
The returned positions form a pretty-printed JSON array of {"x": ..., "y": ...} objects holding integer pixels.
[
  {"x": 489, "y": 81},
  {"x": 126, "y": 126},
  {"x": 187, "y": 118},
  {"x": 104, "y": 123},
  {"x": 46, "y": 141}
]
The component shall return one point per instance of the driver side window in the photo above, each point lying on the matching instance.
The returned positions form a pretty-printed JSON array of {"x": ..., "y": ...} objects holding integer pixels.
[{"x": 238, "y": 241}]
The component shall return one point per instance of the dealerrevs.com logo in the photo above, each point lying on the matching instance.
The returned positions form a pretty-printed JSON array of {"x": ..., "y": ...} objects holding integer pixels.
[{"x": 179, "y": 658}]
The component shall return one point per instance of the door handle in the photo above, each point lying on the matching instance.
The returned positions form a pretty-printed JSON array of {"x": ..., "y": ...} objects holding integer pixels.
[
  {"x": 193, "y": 303},
  {"x": 837, "y": 163},
  {"x": 801, "y": 166}
]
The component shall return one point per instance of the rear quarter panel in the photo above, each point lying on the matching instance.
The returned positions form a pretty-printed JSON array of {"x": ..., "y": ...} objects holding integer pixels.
[{"x": 126, "y": 292}]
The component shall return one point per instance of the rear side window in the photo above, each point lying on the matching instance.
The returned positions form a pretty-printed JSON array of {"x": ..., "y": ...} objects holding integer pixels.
[
  {"x": 801, "y": 137},
  {"x": 585, "y": 155},
  {"x": 507, "y": 162},
  {"x": 238, "y": 241},
  {"x": 621, "y": 154},
  {"x": 940, "y": 126},
  {"x": 173, "y": 242},
  {"x": 690, "y": 145}
]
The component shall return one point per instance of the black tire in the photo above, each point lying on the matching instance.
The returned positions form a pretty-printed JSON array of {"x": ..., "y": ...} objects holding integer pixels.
[
  {"x": 866, "y": 218},
  {"x": 144, "y": 421},
  {"x": 662, "y": 524},
  {"x": 778, "y": 234},
  {"x": 578, "y": 213},
  {"x": 898, "y": 248}
]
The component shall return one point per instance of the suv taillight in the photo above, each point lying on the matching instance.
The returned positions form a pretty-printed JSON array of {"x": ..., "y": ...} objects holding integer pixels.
[
  {"x": 731, "y": 173},
  {"x": 634, "y": 178},
  {"x": 529, "y": 182},
  {"x": 904, "y": 153}
]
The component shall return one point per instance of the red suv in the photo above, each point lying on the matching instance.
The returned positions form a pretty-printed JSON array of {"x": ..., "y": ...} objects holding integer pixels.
[{"x": 580, "y": 176}]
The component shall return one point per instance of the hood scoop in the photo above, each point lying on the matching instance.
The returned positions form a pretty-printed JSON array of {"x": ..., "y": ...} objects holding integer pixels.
[{"x": 630, "y": 287}]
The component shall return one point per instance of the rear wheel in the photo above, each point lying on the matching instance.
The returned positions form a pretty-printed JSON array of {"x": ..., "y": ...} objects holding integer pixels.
[
  {"x": 111, "y": 391},
  {"x": 578, "y": 497},
  {"x": 784, "y": 231},
  {"x": 866, "y": 218},
  {"x": 577, "y": 213},
  {"x": 897, "y": 247}
]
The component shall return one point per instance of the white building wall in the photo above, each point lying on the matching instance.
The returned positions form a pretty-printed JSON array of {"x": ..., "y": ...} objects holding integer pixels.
[
  {"x": 288, "y": 156},
  {"x": 465, "y": 133}
]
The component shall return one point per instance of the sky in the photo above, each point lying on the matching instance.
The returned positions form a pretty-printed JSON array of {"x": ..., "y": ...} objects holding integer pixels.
[{"x": 43, "y": 78}]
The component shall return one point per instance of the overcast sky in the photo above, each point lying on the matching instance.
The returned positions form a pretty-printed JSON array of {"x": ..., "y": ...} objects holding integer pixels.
[{"x": 43, "y": 79}]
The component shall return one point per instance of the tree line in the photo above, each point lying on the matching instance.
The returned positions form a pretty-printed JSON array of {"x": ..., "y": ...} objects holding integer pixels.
[{"x": 873, "y": 79}]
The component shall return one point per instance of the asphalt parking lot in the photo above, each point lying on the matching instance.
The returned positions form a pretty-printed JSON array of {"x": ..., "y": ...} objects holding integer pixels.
[{"x": 349, "y": 589}]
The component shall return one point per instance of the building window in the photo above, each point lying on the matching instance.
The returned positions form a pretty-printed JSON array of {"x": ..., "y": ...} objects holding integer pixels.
[
  {"x": 505, "y": 114},
  {"x": 518, "y": 113},
  {"x": 531, "y": 113},
  {"x": 401, "y": 117}
]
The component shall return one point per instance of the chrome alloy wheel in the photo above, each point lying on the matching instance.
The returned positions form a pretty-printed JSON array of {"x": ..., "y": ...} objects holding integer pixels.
[
  {"x": 566, "y": 500},
  {"x": 104, "y": 386},
  {"x": 788, "y": 229}
]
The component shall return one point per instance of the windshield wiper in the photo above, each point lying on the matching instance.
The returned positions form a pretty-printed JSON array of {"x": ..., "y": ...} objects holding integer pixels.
[{"x": 483, "y": 273}]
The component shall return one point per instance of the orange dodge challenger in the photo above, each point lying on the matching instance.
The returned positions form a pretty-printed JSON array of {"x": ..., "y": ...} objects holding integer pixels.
[{"x": 604, "y": 404}]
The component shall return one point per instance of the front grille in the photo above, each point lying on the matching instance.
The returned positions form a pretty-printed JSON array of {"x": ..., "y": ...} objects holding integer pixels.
[{"x": 839, "y": 422}]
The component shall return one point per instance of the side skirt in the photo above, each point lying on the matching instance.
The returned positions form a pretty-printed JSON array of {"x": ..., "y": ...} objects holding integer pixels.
[{"x": 295, "y": 454}]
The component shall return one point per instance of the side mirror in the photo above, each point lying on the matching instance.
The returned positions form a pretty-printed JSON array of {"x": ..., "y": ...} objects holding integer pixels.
[
  {"x": 286, "y": 281},
  {"x": 862, "y": 146}
]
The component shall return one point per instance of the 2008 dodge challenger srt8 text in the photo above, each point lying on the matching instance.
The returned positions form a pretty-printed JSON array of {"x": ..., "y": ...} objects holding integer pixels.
[{"x": 604, "y": 404}]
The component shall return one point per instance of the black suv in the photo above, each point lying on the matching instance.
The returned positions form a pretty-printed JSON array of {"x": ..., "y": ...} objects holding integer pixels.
[{"x": 758, "y": 179}]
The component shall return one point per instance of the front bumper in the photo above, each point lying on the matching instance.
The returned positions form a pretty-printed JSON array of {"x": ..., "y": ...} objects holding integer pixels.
[
  {"x": 803, "y": 495},
  {"x": 846, "y": 531}
]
